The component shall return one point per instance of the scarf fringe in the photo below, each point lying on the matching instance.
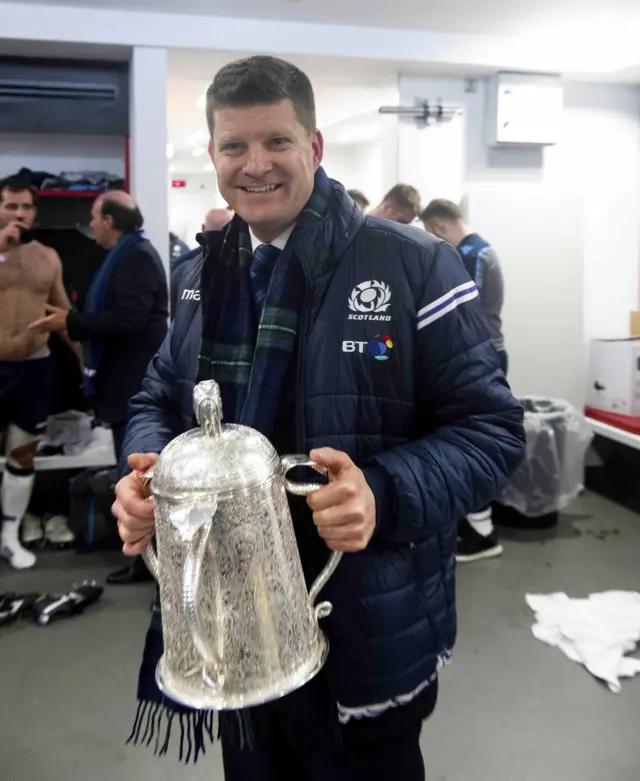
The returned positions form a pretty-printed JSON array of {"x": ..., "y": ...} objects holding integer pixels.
[
  {"x": 154, "y": 720},
  {"x": 237, "y": 729}
]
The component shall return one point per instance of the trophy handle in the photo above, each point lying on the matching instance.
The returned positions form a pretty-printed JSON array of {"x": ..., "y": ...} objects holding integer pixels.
[
  {"x": 197, "y": 538},
  {"x": 197, "y": 546},
  {"x": 149, "y": 554},
  {"x": 151, "y": 560},
  {"x": 323, "y": 609}
]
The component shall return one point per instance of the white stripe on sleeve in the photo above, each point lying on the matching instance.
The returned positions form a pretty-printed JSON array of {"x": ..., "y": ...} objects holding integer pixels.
[
  {"x": 446, "y": 308},
  {"x": 451, "y": 294}
]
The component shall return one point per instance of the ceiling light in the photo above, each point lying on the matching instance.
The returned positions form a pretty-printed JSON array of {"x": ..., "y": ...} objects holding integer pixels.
[
  {"x": 172, "y": 167},
  {"x": 171, "y": 151},
  {"x": 208, "y": 167},
  {"x": 201, "y": 102},
  {"x": 198, "y": 151}
]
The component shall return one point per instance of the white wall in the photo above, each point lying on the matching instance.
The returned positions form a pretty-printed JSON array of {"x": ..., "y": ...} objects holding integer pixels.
[
  {"x": 543, "y": 314},
  {"x": 359, "y": 166},
  {"x": 149, "y": 168},
  {"x": 596, "y": 170},
  {"x": 599, "y": 158},
  {"x": 188, "y": 206},
  {"x": 56, "y": 153},
  {"x": 433, "y": 158}
]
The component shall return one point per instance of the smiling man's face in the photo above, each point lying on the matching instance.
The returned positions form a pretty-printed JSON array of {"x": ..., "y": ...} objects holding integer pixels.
[{"x": 265, "y": 161}]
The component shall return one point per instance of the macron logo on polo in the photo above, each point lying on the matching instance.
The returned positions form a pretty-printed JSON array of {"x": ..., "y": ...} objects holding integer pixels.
[{"x": 190, "y": 295}]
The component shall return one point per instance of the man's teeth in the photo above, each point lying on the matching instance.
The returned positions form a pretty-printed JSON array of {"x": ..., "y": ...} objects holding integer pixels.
[{"x": 263, "y": 188}]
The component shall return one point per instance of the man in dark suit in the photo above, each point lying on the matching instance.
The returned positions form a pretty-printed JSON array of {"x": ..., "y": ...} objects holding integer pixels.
[{"x": 124, "y": 320}]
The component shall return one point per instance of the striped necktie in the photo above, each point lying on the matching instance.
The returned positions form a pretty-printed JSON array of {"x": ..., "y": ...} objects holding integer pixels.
[{"x": 262, "y": 265}]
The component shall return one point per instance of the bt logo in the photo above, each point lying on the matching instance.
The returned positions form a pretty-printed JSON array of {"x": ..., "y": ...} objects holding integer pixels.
[{"x": 378, "y": 348}]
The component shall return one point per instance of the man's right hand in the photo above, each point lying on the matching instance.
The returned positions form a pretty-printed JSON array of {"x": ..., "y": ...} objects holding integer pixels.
[
  {"x": 133, "y": 507},
  {"x": 10, "y": 236}
]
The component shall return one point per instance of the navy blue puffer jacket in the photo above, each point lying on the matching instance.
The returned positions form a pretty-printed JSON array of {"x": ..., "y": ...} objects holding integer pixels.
[{"x": 395, "y": 368}]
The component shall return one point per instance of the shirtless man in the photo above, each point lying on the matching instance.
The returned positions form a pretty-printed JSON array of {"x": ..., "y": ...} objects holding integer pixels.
[{"x": 30, "y": 278}]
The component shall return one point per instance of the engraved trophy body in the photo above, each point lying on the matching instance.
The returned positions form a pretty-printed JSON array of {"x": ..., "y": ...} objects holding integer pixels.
[{"x": 239, "y": 627}]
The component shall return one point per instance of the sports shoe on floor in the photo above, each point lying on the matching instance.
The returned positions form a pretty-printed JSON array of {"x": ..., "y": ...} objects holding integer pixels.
[
  {"x": 473, "y": 546},
  {"x": 13, "y": 606},
  {"x": 31, "y": 531},
  {"x": 57, "y": 533},
  {"x": 50, "y": 607}
]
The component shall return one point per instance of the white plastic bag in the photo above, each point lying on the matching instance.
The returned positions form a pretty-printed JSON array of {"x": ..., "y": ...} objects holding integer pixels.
[
  {"x": 70, "y": 430},
  {"x": 552, "y": 473}
]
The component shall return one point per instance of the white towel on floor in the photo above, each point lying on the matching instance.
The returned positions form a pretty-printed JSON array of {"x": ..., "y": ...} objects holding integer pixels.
[{"x": 597, "y": 631}]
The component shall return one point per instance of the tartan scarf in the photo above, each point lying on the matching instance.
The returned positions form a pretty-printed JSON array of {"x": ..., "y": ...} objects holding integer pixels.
[{"x": 250, "y": 361}]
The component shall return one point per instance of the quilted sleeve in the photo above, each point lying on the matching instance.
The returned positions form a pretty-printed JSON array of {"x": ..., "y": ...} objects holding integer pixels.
[{"x": 476, "y": 434}]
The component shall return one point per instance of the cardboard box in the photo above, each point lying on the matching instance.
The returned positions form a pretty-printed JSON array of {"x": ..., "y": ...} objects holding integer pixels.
[
  {"x": 634, "y": 323},
  {"x": 614, "y": 376}
]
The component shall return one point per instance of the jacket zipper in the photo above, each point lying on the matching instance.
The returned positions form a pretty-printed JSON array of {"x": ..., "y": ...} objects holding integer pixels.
[{"x": 301, "y": 434}]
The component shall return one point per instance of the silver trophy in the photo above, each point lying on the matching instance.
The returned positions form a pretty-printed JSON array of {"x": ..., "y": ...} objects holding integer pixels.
[{"x": 239, "y": 627}]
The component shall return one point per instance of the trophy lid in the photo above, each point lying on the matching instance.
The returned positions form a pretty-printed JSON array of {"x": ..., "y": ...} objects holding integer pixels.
[{"x": 215, "y": 458}]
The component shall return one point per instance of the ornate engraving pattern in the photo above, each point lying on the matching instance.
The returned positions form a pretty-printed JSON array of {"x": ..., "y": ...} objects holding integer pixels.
[{"x": 252, "y": 599}]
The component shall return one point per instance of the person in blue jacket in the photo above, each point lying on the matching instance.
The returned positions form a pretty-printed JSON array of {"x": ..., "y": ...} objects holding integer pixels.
[
  {"x": 361, "y": 341},
  {"x": 477, "y": 538}
]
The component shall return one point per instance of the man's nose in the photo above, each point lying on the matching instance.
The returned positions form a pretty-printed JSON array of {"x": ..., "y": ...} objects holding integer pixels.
[{"x": 258, "y": 162}]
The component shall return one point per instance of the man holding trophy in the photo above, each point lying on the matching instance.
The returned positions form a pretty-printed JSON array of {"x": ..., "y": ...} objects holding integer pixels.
[{"x": 357, "y": 341}]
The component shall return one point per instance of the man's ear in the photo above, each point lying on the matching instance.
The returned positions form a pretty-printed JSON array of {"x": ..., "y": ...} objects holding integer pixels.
[
  {"x": 212, "y": 151},
  {"x": 317, "y": 144}
]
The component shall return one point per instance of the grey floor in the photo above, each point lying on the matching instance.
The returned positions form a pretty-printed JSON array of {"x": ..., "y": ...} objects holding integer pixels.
[{"x": 511, "y": 708}]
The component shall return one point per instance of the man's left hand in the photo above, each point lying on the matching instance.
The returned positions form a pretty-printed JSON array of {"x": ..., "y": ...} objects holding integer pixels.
[
  {"x": 56, "y": 320},
  {"x": 345, "y": 510}
]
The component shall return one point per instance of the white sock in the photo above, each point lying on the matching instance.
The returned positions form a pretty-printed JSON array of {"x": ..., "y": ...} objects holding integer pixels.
[
  {"x": 481, "y": 522},
  {"x": 16, "y": 493}
]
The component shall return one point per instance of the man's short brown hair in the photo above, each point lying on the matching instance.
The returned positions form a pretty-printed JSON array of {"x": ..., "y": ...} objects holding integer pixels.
[
  {"x": 442, "y": 209},
  {"x": 404, "y": 196},
  {"x": 16, "y": 184},
  {"x": 262, "y": 80}
]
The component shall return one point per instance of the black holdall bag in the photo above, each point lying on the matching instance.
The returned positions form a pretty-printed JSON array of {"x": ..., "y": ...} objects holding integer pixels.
[{"x": 92, "y": 493}]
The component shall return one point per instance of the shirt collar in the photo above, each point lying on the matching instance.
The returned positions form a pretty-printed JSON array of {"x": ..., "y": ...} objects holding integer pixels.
[{"x": 280, "y": 242}]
